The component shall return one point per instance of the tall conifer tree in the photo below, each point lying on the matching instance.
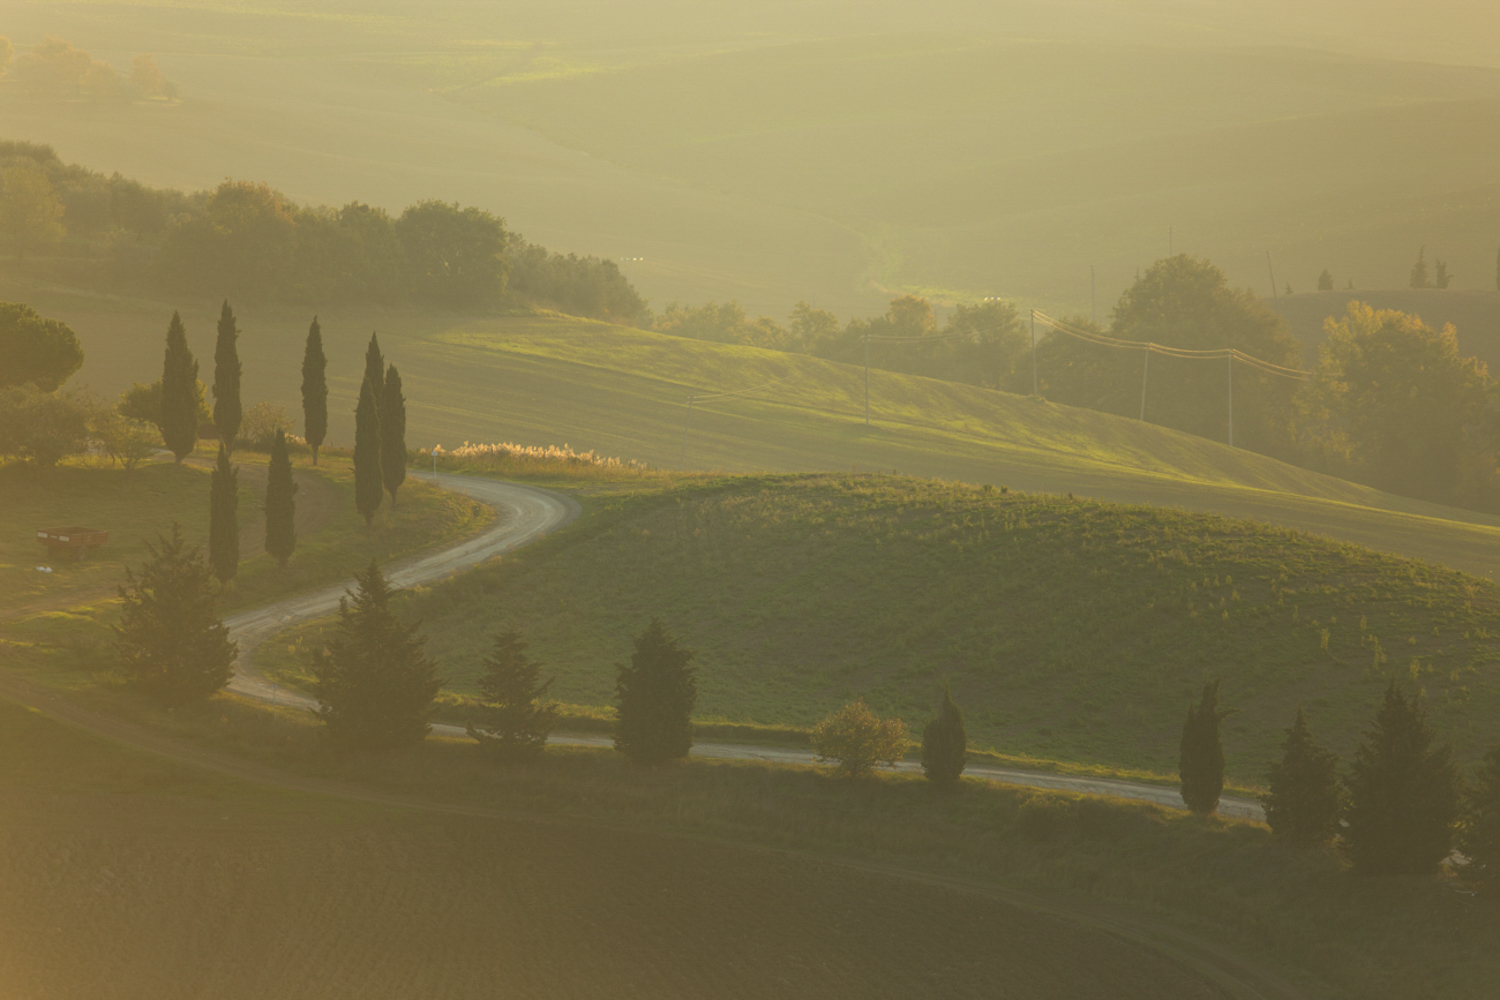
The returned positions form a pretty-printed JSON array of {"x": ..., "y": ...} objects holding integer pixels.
[
  {"x": 223, "y": 519},
  {"x": 515, "y": 724},
  {"x": 375, "y": 684},
  {"x": 1201, "y": 760},
  {"x": 179, "y": 392},
  {"x": 227, "y": 410},
  {"x": 393, "y": 434},
  {"x": 1304, "y": 802},
  {"x": 945, "y": 745},
  {"x": 171, "y": 644},
  {"x": 368, "y": 485},
  {"x": 1403, "y": 793},
  {"x": 375, "y": 367},
  {"x": 314, "y": 390},
  {"x": 281, "y": 503},
  {"x": 655, "y": 695}
]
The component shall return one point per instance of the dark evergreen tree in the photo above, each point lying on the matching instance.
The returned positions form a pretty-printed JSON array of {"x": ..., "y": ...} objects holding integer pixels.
[
  {"x": 368, "y": 487},
  {"x": 281, "y": 503},
  {"x": 1480, "y": 841},
  {"x": 514, "y": 725},
  {"x": 179, "y": 393},
  {"x": 1304, "y": 802},
  {"x": 374, "y": 683},
  {"x": 945, "y": 745},
  {"x": 1403, "y": 793},
  {"x": 393, "y": 434},
  {"x": 375, "y": 367},
  {"x": 1325, "y": 281},
  {"x": 171, "y": 644},
  {"x": 227, "y": 410},
  {"x": 1201, "y": 760},
  {"x": 1419, "y": 278},
  {"x": 223, "y": 519},
  {"x": 655, "y": 694},
  {"x": 314, "y": 390},
  {"x": 1441, "y": 278}
]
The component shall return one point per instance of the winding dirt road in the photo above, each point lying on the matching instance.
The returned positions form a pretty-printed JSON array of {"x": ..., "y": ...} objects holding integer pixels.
[{"x": 526, "y": 514}]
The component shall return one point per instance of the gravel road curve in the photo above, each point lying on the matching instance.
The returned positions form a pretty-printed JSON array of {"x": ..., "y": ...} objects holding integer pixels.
[{"x": 526, "y": 514}]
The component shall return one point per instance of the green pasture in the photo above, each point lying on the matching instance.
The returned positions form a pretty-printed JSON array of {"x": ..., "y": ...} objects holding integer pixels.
[{"x": 1072, "y": 630}]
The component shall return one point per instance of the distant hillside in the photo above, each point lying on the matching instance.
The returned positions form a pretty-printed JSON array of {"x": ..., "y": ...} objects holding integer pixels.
[{"x": 1475, "y": 314}]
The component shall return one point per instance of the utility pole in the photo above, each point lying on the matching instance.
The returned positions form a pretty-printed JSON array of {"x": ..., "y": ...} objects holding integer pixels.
[
  {"x": 1093, "y": 301},
  {"x": 867, "y": 380},
  {"x": 1274, "y": 293},
  {"x": 1034, "y": 390},
  {"x": 682, "y": 461},
  {"x": 1231, "y": 397},
  {"x": 1145, "y": 370}
]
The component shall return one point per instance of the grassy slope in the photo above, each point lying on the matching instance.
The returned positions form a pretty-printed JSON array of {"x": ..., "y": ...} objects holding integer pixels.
[
  {"x": 549, "y": 380},
  {"x": 364, "y": 897},
  {"x": 1140, "y": 869},
  {"x": 71, "y": 606},
  {"x": 1072, "y": 630}
]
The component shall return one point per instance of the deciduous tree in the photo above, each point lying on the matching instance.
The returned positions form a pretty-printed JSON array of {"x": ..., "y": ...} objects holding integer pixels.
[
  {"x": 179, "y": 392},
  {"x": 125, "y": 439},
  {"x": 1201, "y": 757},
  {"x": 31, "y": 213},
  {"x": 655, "y": 694},
  {"x": 1403, "y": 793},
  {"x": 515, "y": 723},
  {"x": 281, "y": 503},
  {"x": 43, "y": 352},
  {"x": 314, "y": 390},
  {"x": 856, "y": 739},
  {"x": 455, "y": 256},
  {"x": 392, "y": 434},
  {"x": 172, "y": 645},
  {"x": 1304, "y": 801},
  {"x": 375, "y": 683},
  {"x": 42, "y": 427},
  {"x": 223, "y": 519},
  {"x": 945, "y": 745}
]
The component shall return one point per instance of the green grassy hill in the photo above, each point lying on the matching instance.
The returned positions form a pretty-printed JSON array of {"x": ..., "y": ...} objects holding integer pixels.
[
  {"x": 1072, "y": 630},
  {"x": 554, "y": 380}
]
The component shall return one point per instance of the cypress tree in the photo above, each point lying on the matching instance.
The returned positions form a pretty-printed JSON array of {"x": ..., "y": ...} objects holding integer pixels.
[
  {"x": 227, "y": 410},
  {"x": 393, "y": 433},
  {"x": 1403, "y": 793},
  {"x": 1480, "y": 841},
  {"x": 1304, "y": 802},
  {"x": 945, "y": 746},
  {"x": 514, "y": 726},
  {"x": 179, "y": 392},
  {"x": 368, "y": 487},
  {"x": 314, "y": 390},
  {"x": 375, "y": 367},
  {"x": 223, "y": 519},
  {"x": 281, "y": 504},
  {"x": 655, "y": 694},
  {"x": 374, "y": 683},
  {"x": 171, "y": 644},
  {"x": 1201, "y": 760}
]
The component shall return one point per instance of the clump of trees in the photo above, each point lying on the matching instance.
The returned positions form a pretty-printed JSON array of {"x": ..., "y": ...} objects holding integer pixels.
[
  {"x": 57, "y": 70},
  {"x": 855, "y": 739},
  {"x": 171, "y": 644}
]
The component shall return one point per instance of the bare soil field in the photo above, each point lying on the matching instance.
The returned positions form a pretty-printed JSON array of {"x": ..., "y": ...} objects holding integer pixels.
[{"x": 200, "y": 885}]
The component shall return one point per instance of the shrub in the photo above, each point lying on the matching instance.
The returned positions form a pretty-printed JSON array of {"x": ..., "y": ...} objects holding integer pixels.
[
  {"x": 42, "y": 427},
  {"x": 856, "y": 739}
]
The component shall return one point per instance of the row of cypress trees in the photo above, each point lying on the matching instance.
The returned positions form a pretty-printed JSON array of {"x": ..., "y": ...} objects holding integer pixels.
[
  {"x": 379, "y": 434},
  {"x": 179, "y": 427},
  {"x": 1400, "y": 810}
]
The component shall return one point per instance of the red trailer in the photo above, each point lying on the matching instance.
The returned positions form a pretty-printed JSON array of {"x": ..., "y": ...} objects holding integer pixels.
[{"x": 74, "y": 541}]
